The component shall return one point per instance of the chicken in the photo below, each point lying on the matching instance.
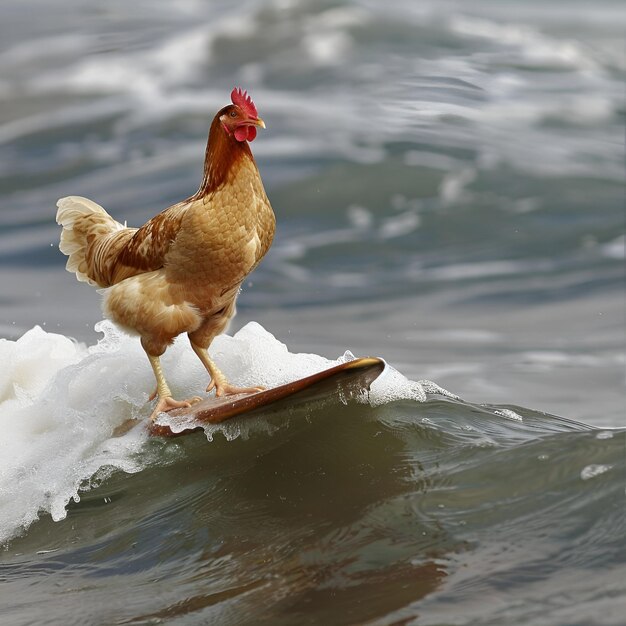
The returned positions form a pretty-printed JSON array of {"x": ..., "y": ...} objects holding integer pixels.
[{"x": 181, "y": 271}]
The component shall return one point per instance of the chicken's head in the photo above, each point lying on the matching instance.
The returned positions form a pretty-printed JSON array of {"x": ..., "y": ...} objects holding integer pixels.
[{"x": 240, "y": 118}]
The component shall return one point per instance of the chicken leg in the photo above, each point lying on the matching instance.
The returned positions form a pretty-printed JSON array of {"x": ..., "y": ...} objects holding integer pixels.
[
  {"x": 165, "y": 402},
  {"x": 218, "y": 380}
]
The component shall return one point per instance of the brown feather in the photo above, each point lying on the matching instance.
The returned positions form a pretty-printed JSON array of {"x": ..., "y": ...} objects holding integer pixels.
[
  {"x": 146, "y": 250},
  {"x": 181, "y": 271},
  {"x": 222, "y": 153}
]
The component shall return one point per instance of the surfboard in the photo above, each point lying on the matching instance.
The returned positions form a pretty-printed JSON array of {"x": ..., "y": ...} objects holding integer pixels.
[{"x": 345, "y": 380}]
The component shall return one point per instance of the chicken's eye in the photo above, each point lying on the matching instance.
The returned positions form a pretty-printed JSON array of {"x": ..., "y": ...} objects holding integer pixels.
[{"x": 233, "y": 114}]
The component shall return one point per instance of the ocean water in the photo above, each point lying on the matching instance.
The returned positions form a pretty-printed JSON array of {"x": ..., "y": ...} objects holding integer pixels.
[{"x": 448, "y": 181}]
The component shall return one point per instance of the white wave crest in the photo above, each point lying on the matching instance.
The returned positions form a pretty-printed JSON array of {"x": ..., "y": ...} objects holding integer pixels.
[{"x": 61, "y": 402}]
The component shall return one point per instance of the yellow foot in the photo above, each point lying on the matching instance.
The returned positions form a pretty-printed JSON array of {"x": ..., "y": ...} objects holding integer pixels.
[
  {"x": 167, "y": 403},
  {"x": 226, "y": 389}
]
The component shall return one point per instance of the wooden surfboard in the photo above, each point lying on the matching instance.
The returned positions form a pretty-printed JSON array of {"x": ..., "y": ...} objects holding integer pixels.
[{"x": 347, "y": 379}]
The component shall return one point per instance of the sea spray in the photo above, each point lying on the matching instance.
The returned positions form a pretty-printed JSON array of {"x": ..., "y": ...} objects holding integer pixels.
[{"x": 61, "y": 402}]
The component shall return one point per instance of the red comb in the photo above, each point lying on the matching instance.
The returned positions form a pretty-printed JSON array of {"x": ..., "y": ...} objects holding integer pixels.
[{"x": 243, "y": 101}]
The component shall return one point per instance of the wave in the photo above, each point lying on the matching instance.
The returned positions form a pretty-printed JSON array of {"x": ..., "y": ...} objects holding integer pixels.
[
  {"x": 432, "y": 98},
  {"x": 61, "y": 401}
]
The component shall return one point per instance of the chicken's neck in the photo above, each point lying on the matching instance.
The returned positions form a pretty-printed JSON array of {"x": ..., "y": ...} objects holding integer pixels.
[{"x": 223, "y": 154}]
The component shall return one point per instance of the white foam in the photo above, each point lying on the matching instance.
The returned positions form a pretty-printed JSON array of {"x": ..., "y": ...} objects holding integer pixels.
[
  {"x": 399, "y": 225},
  {"x": 460, "y": 271},
  {"x": 453, "y": 185},
  {"x": 61, "y": 401},
  {"x": 393, "y": 386},
  {"x": 616, "y": 248},
  {"x": 534, "y": 47},
  {"x": 164, "y": 79},
  {"x": 509, "y": 414},
  {"x": 591, "y": 471},
  {"x": 605, "y": 434}
]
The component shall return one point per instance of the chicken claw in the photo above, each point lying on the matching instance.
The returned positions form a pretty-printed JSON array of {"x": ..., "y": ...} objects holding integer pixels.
[
  {"x": 167, "y": 404},
  {"x": 218, "y": 380},
  {"x": 223, "y": 388}
]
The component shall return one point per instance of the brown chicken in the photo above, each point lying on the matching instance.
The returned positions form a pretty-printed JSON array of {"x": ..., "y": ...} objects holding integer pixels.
[{"x": 182, "y": 270}]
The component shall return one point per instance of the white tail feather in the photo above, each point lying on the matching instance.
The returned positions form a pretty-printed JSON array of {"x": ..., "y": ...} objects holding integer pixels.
[{"x": 81, "y": 218}]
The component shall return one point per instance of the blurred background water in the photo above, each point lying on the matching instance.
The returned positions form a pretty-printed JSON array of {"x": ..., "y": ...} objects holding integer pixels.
[{"x": 448, "y": 180}]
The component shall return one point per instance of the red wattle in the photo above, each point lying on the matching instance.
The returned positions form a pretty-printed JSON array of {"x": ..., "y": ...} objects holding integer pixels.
[{"x": 243, "y": 133}]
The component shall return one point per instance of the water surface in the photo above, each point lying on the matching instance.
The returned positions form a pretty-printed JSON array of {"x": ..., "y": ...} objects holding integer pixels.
[{"x": 448, "y": 182}]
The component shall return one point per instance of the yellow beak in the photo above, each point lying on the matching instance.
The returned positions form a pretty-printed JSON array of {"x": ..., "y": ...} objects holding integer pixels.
[{"x": 259, "y": 122}]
